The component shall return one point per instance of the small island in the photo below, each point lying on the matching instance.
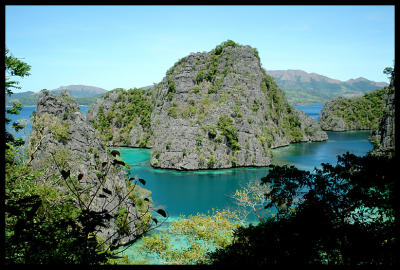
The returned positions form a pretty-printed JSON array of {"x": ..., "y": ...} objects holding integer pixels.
[{"x": 218, "y": 109}]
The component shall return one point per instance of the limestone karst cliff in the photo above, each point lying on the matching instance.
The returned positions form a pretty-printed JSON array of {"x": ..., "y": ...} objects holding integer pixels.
[
  {"x": 216, "y": 109},
  {"x": 357, "y": 113},
  {"x": 63, "y": 141},
  {"x": 384, "y": 136}
]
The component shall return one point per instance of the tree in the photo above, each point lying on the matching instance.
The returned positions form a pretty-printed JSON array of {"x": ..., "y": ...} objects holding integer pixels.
[
  {"x": 344, "y": 214},
  {"x": 189, "y": 240},
  {"x": 251, "y": 199},
  {"x": 14, "y": 67},
  {"x": 389, "y": 71},
  {"x": 48, "y": 213},
  {"x": 48, "y": 219}
]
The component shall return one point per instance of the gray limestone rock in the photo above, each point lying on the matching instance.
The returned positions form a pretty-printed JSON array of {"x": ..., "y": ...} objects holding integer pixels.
[
  {"x": 62, "y": 139},
  {"x": 239, "y": 89},
  {"x": 212, "y": 110},
  {"x": 384, "y": 136}
]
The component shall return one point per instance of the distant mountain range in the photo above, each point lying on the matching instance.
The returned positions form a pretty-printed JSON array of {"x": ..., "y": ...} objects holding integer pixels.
[
  {"x": 301, "y": 87},
  {"x": 83, "y": 94},
  {"x": 80, "y": 90}
]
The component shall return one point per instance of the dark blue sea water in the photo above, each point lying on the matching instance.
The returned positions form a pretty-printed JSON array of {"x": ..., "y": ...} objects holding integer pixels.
[
  {"x": 199, "y": 191},
  {"x": 311, "y": 110}
]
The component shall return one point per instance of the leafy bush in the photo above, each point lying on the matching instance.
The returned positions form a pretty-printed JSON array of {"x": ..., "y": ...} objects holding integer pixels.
[
  {"x": 173, "y": 112},
  {"x": 189, "y": 111},
  {"x": 171, "y": 88},
  {"x": 212, "y": 131},
  {"x": 121, "y": 221},
  {"x": 199, "y": 235},
  {"x": 199, "y": 140},
  {"x": 168, "y": 146},
  {"x": 228, "y": 129},
  {"x": 211, "y": 161}
]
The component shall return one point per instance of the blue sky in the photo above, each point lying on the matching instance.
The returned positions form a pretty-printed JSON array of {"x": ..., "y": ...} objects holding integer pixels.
[{"x": 134, "y": 46}]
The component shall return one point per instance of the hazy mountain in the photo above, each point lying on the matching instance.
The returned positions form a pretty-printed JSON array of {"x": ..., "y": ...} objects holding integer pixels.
[
  {"x": 147, "y": 87},
  {"x": 80, "y": 90},
  {"x": 304, "y": 88},
  {"x": 83, "y": 94},
  {"x": 28, "y": 98}
]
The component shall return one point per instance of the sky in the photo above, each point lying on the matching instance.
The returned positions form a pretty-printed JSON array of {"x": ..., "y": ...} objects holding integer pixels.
[{"x": 134, "y": 46}]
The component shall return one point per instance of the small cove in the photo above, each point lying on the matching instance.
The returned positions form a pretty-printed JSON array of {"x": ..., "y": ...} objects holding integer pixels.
[{"x": 192, "y": 192}]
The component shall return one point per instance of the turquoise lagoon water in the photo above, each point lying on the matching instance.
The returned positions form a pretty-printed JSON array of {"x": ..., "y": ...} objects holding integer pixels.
[{"x": 192, "y": 192}]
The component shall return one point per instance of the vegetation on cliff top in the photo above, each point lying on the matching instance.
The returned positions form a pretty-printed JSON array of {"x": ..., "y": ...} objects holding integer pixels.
[
  {"x": 357, "y": 113},
  {"x": 225, "y": 88},
  {"x": 131, "y": 108}
]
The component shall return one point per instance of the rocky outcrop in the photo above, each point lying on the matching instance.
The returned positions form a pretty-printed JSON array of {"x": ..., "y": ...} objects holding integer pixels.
[
  {"x": 358, "y": 113},
  {"x": 123, "y": 117},
  {"x": 212, "y": 110},
  {"x": 384, "y": 136},
  {"x": 63, "y": 140}
]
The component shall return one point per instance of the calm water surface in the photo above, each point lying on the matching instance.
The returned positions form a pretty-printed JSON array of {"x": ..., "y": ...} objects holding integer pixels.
[
  {"x": 194, "y": 192},
  {"x": 311, "y": 110},
  {"x": 201, "y": 191}
]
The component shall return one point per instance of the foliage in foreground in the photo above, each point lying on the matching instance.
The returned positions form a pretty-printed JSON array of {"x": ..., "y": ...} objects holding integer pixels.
[
  {"x": 189, "y": 240},
  {"x": 43, "y": 223},
  {"x": 343, "y": 214},
  {"x": 44, "y": 218},
  {"x": 14, "y": 68}
]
